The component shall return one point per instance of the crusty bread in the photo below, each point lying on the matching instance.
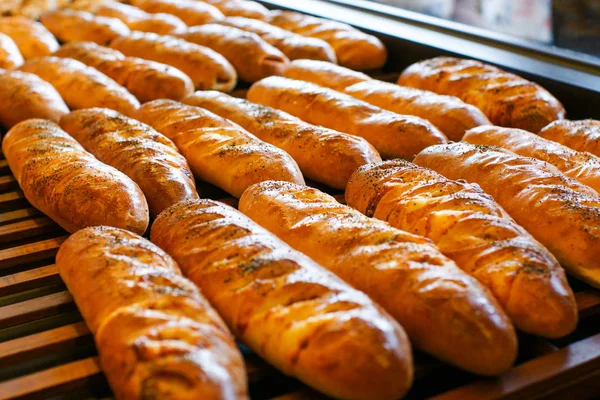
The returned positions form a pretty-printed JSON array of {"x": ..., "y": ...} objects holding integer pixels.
[
  {"x": 146, "y": 80},
  {"x": 583, "y": 167},
  {"x": 323, "y": 155},
  {"x": 241, "y": 8},
  {"x": 137, "y": 150},
  {"x": 581, "y": 135},
  {"x": 218, "y": 151},
  {"x": 157, "y": 337},
  {"x": 207, "y": 68},
  {"x": 24, "y": 96},
  {"x": 354, "y": 49},
  {"x": 75, "y": 26},
  {"x": 324, "y": 73},
  {"x": 561, "y": 213},
  {"x": 468, "y": 226},
  {"x": 191, "y": 12},
  {"x": 444, "y": 311},
  {"x": 506, "y": 99},
  {"x": 32, "y": 38},
  {"x": 294, "y": 46},
  {"x": 10, "y": 56},
  {"x": 290, "y": 310},
  {"x": 82, "y": 86},
  {"x": 65, "y": 182},
  {"x": 393, "y": 135},
  {"x": 252, "y": 57}
]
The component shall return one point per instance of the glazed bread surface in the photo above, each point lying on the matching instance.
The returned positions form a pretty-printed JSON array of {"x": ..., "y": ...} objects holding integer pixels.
[
  {"x": 191, "y": 12},
  {"x": 468, "y": 226},
  {"x": 32, "y": 38},
  {"x": 241, "y": 8},
  {"x": 75, "y": 26},
  {"x": 324, "y": 74},
  {"x": 444, "y": 311},
  {"x": 10, "y": 56},
  {"x": 287, "y": 308},
  {"x": 65, "y": 182},
  {"x": 581, "y": 135},
  {"x": 393, "y": 135},
  {"x": 157, "y": 337}
]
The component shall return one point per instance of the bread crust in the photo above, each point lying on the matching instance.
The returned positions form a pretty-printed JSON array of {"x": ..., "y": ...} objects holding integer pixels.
[
  {"x": 324, "y": 74},
  {"x": 157, "y": 337},
  {"x": 506, "y": 99},
  {"x": 82, "y": 86},
  {"x": 561, "y": 213},
  {"x": 10, "y": 56},
  {"x": 468, "y": 226},
  {"x": 581, "y": 135},
  {"x": 191, "y": 12},
  {"x": 241, "y": 8},
  {"x": 80, "y": 26},
  {"x": 217, "y": 150},
  {"x": 393, "y": 135},
  {"x": 287, "y": 308},
  {"x": 65, "y": 182},
  {"x": 32, "y": 38},
  {"x": 252, "y": 57},
  {"x": 444, "y": 311}
]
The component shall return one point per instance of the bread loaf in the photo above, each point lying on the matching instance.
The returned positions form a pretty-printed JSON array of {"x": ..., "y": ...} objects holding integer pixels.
[
  {"x": 393, "y": 135},
  {"x": 561, "y": 213},
  {"x": 32, "y": 38},
  {"x": 324, "y": 74},
  {"x": 82, "y": 86},
  {"x": 157, "y": 337},
  {"x": 207, "y": 68},
  {"x": 468, "y": 226},
  {"x": 191, "y": 12},
  {"x": 581, "y": 135},
  {"x": 284, "y": 306},
  {"x": 506, "y": 99},
  {"x": 444, "y": 311},
  {"x": 75, "y": 26},
  {"x": 146, "y": 80},
  {"x": 65, "y": 182},
  {"x": 10, "y": 56},
  {"x": 241, "y": 8},
  {"x": 218, "y": 151}
]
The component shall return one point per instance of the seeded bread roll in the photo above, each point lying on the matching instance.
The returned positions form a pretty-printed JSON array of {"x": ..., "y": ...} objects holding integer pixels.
[
  {"x": 10, "y": 56},
  {"x": 80, "y": 26},
  {"x": 31, "y": 37},
  {"x": 191, "y": 12},
  {"x": 581, "y": 135},
  {"x": 324, "y": 74}
]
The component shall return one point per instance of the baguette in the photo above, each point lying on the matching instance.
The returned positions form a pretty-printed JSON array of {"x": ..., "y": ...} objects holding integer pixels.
[
  {"x": 24, "y": 96},
  {"x": 218, "y": 151},
  {"x": 393, "y": 135},
  {"x": 241, "y": 8},
  {"x": 147, "y": 157},
  {"x": 191, "y": 12},
  {"x": 581, "y": 135},
  {"x": 290, "y": 310},
  {"x": 294, "y": 46},
  {"x": 506, "y": 99},
  {"x": 324, "y": 74},
  {"x": 583, "y": 167},
  {"x": 468, "y": 226},
  {"x": 252, "y": 57},
  {"x": 80, "y": 26},
  {"x": 32, "y": 38},
  {"x": 323, "y": 155},
  {"x": 146, "y": 80},
  {"x": 10, "y": 56},
  {"x": 207, "y": 68},
  {"x": 157, "y": 337},
  {"x": 353, "y": 48},
  {"x": 82, "y": 86},
  {"x": 65, "y": 182},
  {"x": 561, "y": 213},
  {"x": 444, "y": 311}
]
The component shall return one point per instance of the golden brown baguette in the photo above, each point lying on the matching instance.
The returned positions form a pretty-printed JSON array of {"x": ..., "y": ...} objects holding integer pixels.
[
  {"x": 157, "y": 337},
  {"x": 80, "y": 26},
  {"x": 444, "y": 311},
  {"x": 581, "y": 135},
  {"x": 561, "y": 213},
  {"x": 31, "y": 37},
  {"x": 24, "y": 96},
  {"x": 354, "y": 49},
  {"x": 322, "y": 154},
  {"x": 324, "y": 74},
  {"x": 252, "y": 57},
  {"x": 135, "y": 18},
  {"x": 583, "y": 167},
  {"x": 150, "y": 159},
  {"x": 294, "y": 46},
  {"x": 191, "y": 12},
  {"x": 82, "y": 86},
  {"x": 65, "y": 182},
  {"x": 393, "y": 135},
  {"x": 207, "y": 68},
  {"x": 241, "y": 8},
  {"x": 146, "y": 80},
  {"x": 506, "y": 99},
  {"x": 468, "y": 226},
  {"x": 10, "y": 56},
  {"x": 284, "y": 306},
  {"x": 218, "y": 151}
]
